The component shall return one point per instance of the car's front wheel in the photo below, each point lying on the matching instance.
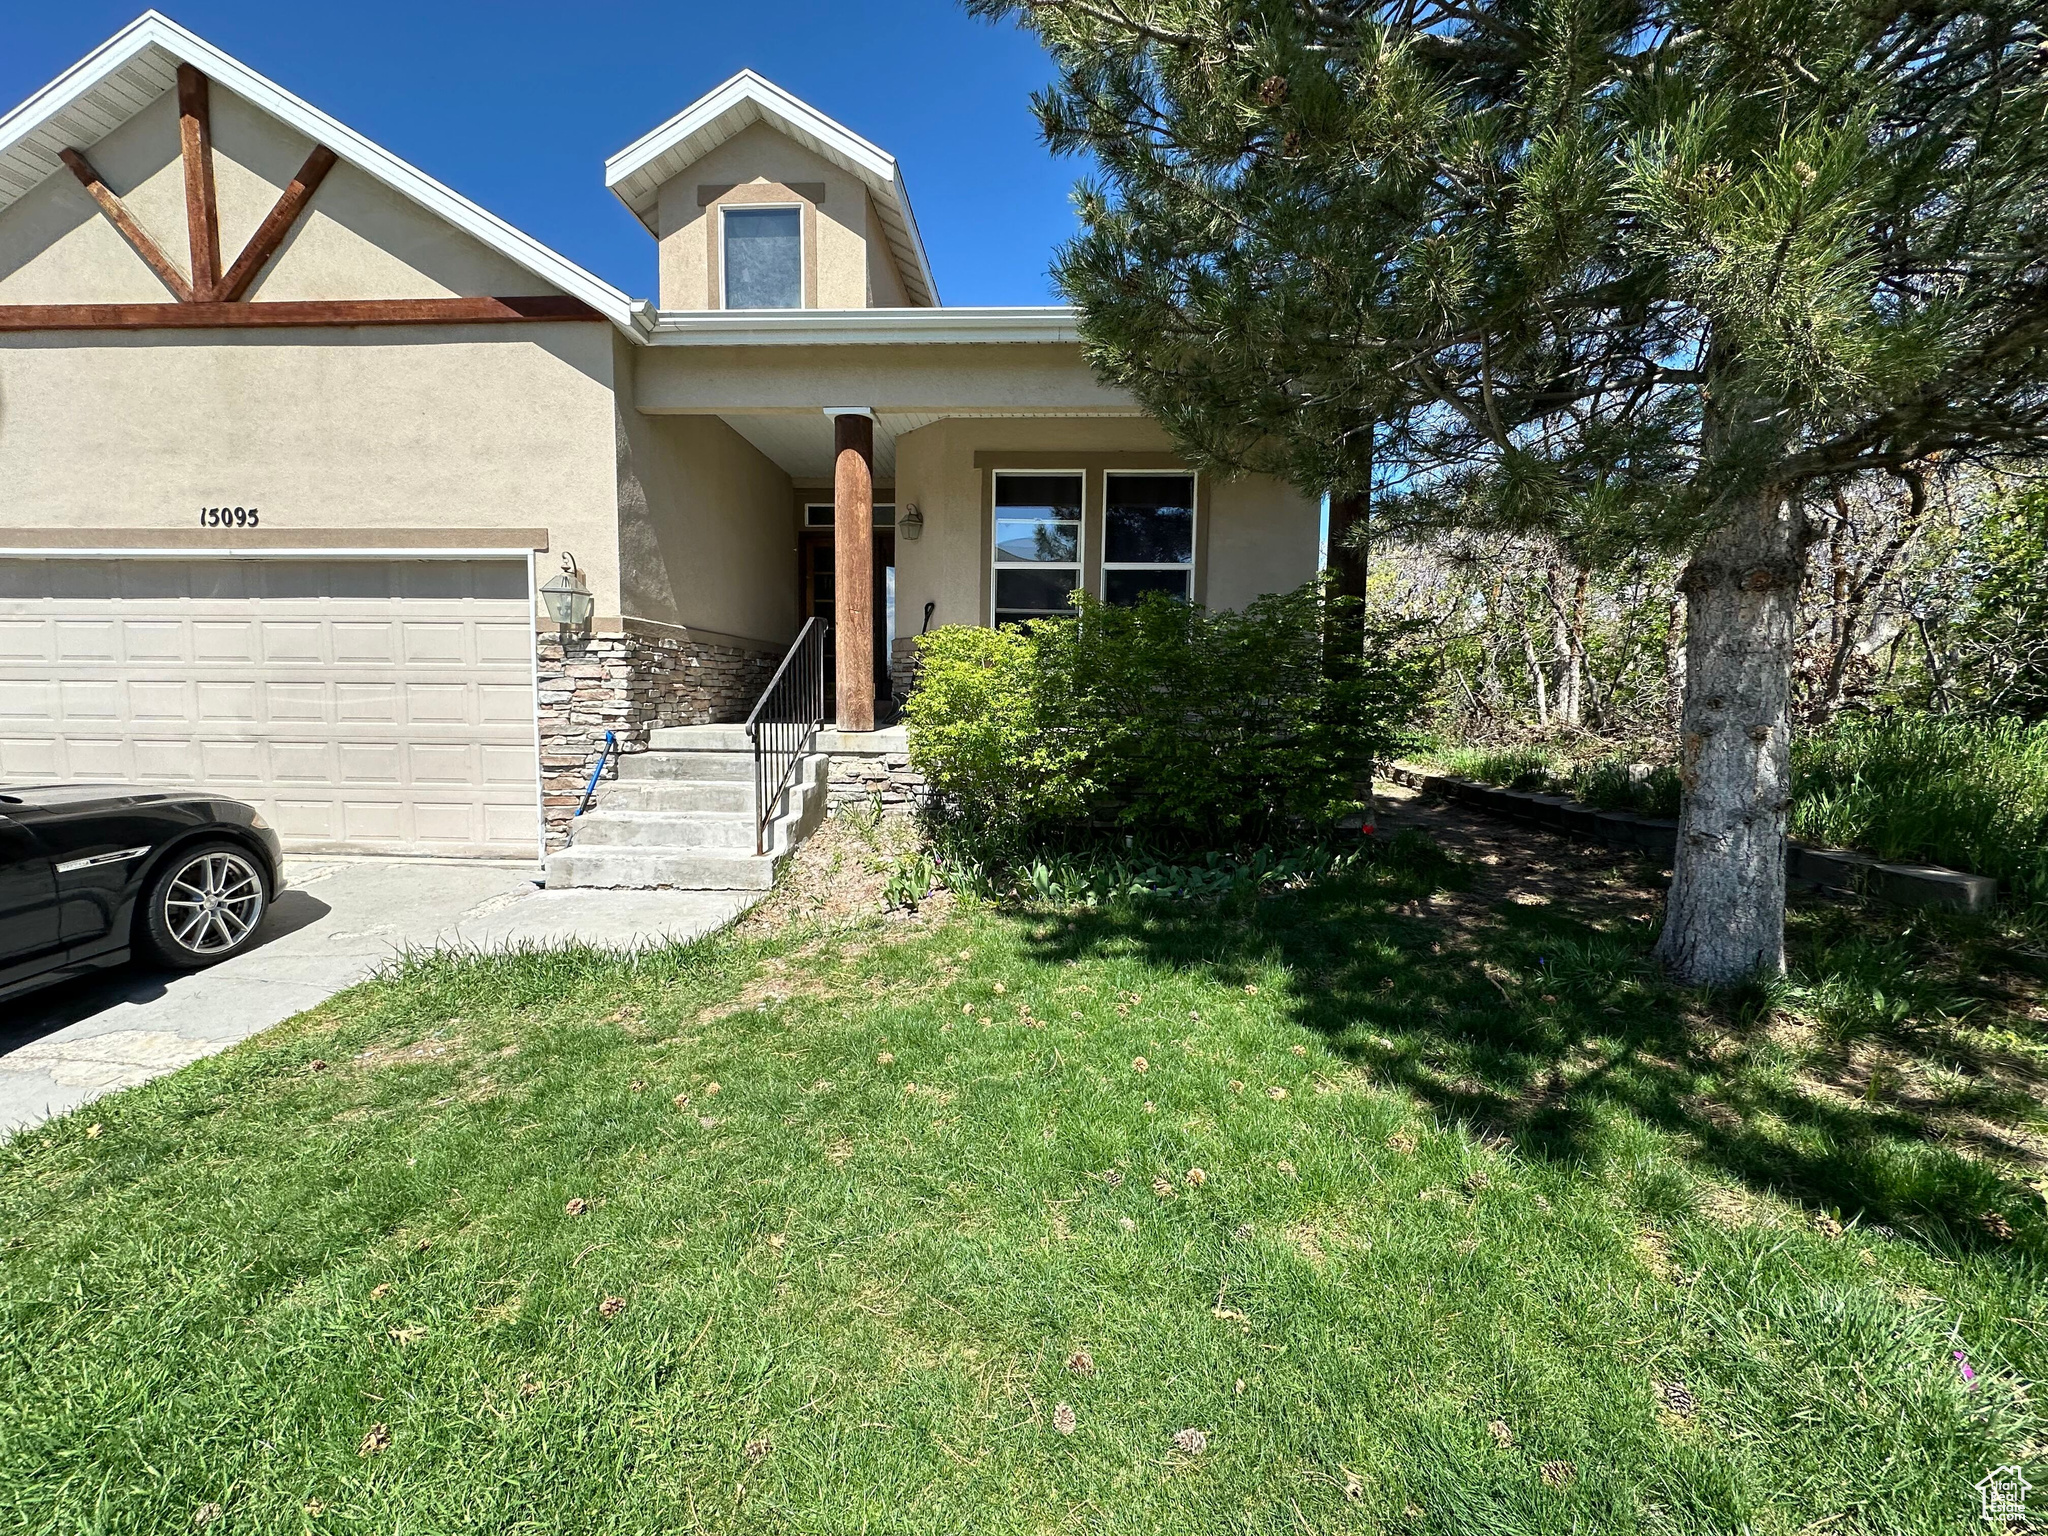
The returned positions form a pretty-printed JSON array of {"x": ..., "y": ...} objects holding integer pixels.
[{"x": 203, "y": 906}]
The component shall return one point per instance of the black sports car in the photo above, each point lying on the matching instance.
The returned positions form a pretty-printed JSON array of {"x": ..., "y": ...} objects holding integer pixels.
[{"x": 91, "y": 874}]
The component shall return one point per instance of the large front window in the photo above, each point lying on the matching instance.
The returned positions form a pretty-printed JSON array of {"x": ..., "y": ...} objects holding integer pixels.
[
  {"x": 764, "y": 258},
  {"x": 1148, "y": 536},
  {"x": 1037, "y": 544}
]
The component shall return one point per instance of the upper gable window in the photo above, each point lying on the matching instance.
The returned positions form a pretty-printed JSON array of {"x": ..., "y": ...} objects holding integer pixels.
[{"x": 764, "y": 258}]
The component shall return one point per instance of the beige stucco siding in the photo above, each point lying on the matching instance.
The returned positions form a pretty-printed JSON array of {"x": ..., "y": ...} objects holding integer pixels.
[
  {"x": 760, "y": 154},
  {"x": 885, "y": 282},
  {"x": 358, "y": 240},
  {"x": 908, "y": 377},
  {"x": 57, "y": 248},
  {"x": 707, "y": 537},
  {"x": 935, "y": 470},
  {"x": 1263, "y": 536},
  {"x": 105, "y": 434},
  {"x": 1257, "y": 534}
]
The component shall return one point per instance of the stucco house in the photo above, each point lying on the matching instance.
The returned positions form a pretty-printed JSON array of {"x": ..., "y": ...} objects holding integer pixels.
[{"x": 291, "y": 434}]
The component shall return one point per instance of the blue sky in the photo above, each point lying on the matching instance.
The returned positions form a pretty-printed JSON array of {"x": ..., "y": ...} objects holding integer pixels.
[{"x": 516, "y": 105}]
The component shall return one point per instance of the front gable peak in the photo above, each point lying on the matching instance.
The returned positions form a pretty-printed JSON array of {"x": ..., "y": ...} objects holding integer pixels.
[
  {"x": 54, "y": 133},
  {"x": 637, "y": 173}
]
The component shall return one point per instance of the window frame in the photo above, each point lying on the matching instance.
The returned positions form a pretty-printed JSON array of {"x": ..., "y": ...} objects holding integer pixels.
[
  {"x": 1189, "y": 565},
  {"x": 1078, "y": 565},
  {"x": 725, "y": 253}
]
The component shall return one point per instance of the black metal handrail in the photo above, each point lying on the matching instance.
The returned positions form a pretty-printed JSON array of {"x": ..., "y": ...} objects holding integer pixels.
[{"x": 784, "y": 724}]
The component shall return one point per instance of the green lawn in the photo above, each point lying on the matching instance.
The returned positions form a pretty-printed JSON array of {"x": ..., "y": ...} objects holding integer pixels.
[{"x": 1492, "y": 1234}]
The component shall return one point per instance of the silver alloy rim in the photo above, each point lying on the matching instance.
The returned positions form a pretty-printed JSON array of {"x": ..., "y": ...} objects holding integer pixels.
[{"x": 212, "y": 903}]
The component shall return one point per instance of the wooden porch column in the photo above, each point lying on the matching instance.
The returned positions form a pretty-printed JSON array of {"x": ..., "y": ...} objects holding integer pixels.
[{"x": 853, "y": 563}]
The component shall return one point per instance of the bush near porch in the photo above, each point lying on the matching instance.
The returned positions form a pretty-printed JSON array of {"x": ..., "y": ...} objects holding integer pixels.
[{"x": 1160, "y": 725}]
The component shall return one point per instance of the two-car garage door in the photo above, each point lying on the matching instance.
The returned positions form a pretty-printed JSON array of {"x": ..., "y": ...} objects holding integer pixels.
[{"x": 369, "y": 705}]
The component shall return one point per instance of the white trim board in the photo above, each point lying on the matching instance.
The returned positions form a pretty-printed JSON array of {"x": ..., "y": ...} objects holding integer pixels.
[{"x": 138, "y": 63}]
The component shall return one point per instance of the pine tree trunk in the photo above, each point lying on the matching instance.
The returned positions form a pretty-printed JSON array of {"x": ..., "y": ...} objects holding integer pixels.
[
  {"x": 1350, "y": 555},
  {"x": 1726, "y": 918}
]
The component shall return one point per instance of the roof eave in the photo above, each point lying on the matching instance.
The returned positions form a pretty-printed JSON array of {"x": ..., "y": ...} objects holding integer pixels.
[
  {"x": 923, "y": 266},
  {"x": 154, "y": 29}
]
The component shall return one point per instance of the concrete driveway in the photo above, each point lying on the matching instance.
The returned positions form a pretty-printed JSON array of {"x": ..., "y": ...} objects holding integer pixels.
[{"x": 336, "y": 922}]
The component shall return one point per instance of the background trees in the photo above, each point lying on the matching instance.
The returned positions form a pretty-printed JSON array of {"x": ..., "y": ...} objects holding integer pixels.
[
  {"x": 1634, "y": 278},
  {"x": 1933, "y": 598}
]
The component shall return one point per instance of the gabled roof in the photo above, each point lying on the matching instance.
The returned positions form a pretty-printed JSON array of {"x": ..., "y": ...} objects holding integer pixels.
[
  {"x": 636, "y": 173},
  {"x": 140, "y": 62}
]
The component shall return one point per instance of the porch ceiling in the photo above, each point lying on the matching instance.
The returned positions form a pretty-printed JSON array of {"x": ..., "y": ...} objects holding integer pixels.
[{"x": 802, "y": 445}]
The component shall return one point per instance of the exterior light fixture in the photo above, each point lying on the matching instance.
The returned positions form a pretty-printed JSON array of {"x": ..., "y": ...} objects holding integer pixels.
[
  {"x": 566, "y": 599},
  {"x": 911, "y": 523}
]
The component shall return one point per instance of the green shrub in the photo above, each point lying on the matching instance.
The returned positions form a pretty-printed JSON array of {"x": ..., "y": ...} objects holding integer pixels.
[
  {"x": 1160, "y": 726},
  {"x": 981, "y": 735}
]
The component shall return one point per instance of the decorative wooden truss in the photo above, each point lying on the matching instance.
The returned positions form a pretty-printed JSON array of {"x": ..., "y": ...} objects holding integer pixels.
[{"x": 210, "y": 297}]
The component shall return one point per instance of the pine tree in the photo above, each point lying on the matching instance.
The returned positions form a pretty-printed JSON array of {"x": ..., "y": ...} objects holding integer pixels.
[{"x": 1632, "y": 273}]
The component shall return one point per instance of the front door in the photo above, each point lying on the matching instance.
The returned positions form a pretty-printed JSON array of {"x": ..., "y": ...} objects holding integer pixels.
[{"x": 816, "y": 576}]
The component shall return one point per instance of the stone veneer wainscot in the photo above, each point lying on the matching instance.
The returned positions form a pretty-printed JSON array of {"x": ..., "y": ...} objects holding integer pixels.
[{"x": 631, "y": 684}]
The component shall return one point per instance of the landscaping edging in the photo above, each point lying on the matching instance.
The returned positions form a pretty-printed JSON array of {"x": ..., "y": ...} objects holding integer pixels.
[{"x": 1819, "y": 869}]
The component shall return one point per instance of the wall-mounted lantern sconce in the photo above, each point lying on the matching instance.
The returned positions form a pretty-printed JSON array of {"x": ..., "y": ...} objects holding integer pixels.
[
  {"x": 911, "y": 523},
  {"x": 566, "y": 599}
]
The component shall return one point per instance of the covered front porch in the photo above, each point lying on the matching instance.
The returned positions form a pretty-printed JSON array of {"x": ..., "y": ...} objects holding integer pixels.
[{"x": 939, "y": 468}]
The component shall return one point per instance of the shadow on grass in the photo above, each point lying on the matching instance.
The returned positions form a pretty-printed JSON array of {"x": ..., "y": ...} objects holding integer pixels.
[{"x": 1549, "y": 1027}]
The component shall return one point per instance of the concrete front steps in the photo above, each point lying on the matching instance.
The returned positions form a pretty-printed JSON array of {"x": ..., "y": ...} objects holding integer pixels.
[{"x": 681, "y": 815}]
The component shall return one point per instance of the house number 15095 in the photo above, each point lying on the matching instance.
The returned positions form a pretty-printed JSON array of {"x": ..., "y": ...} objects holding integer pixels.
[{"x": 227, "y": 517}]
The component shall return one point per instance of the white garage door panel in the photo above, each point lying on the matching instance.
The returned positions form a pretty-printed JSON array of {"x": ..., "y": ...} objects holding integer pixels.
[{"x": 372, "y": 705}]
